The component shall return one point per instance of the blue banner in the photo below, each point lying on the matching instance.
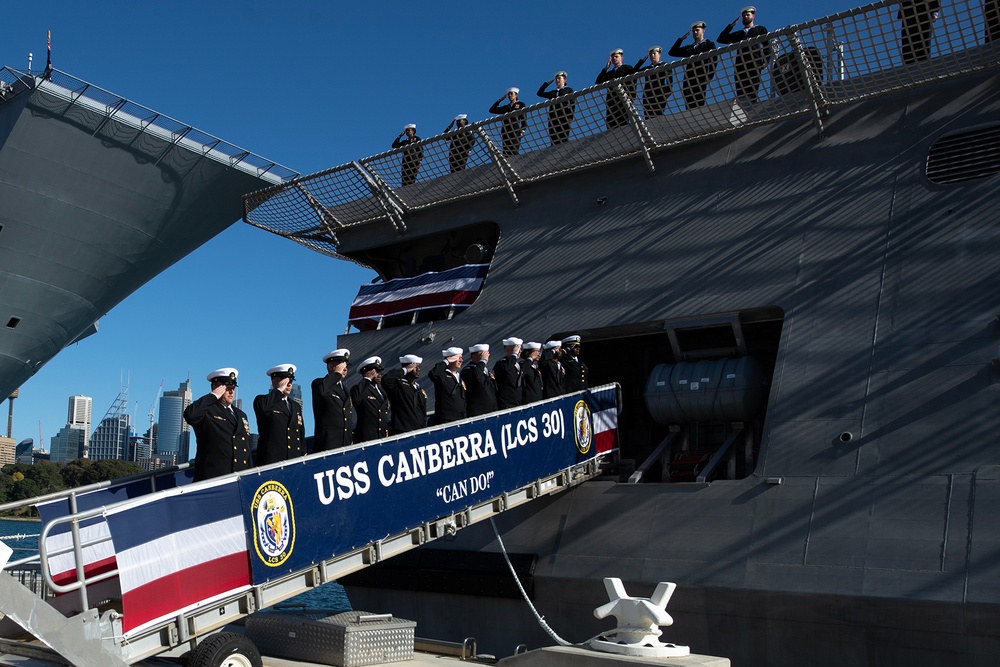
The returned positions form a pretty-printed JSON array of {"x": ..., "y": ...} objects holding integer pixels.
[{"x": 311, "y": 509}]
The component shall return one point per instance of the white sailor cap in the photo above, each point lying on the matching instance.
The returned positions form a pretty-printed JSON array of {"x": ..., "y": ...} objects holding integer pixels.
[
  {"x": 698, "y": 24},
  {"x": 552, "y": 344},
  {"x": 282, "y": 369},
  {"x": 479, "y": 347},
  {"x": 514, "y": 89},
  {"x": 657, "y": 48},
  {"x": 410, "y": 359},
  {"x": 370, "y": 363},
  {"x": 571, "y": 340},
  {"x": 450, "y": 352},
  {"x": 749, "y": 8},
  {"x": 410, "y": 126},
  {"x": 461, "y": 116},
  {"x": 532, "y": 346},
  {"x": 513, "y": 340},
  {"x": 224, "y": 373},
  {"x": 559, "y": 73},
  {"x": 616, "y": 52},
  {"x": 340, "y": 354}
]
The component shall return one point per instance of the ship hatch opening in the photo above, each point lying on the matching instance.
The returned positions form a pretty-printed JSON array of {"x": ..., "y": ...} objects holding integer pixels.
[
  {"x": 694, "y": 391},
  {"x": 423, "y": 278},
  {"x": 13, "y": 322}
]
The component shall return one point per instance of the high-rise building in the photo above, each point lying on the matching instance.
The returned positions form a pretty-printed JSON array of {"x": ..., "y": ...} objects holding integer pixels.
[
  {"x": 67, "y": 444},
  {"x": 78, "y": 416},
  {"x": 171, "y": 429},
  {"x": 111, "y": 438},
  {"x": 7, "y": 450}
]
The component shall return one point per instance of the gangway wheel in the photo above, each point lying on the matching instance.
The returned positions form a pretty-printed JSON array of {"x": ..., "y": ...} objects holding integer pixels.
[{"x": 225, "y": 649}]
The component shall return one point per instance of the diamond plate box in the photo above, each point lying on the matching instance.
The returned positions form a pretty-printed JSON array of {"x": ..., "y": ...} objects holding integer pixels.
[{"x": 346, "y": 639}]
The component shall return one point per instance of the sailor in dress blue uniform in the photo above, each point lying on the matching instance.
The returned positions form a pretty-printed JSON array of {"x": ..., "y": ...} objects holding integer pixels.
[
  {"x": 407, "y": 398},
  {"x": 221, "y": 430},
  {"x": 333, "y": 411},
  {"x": 281, "y": 430},
  {"x": 371, "y": 405}
]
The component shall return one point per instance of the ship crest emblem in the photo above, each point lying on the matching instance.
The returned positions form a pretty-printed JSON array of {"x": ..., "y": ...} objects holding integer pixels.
[
  {"x": 583, "y": 429},
  {"x": 273, "y": 523}
]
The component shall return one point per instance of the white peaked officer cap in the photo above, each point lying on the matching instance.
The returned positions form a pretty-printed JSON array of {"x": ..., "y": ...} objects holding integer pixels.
[
  {"x": 369, "y": 364},
  {"x": 699, "y": 24},
  {"x": 480, "y": 347},
  {"x": 514, "y": 89},
  {"x": 570, "y": 340},
  {"x": 553, "y": 344},
  {"x": 340, "y": 354},
  {"x": 411, "y": 359},
  {"x": 281, "y": 368},
  {"x": 513, "y": 340},
  {"x": 532, "y": 346},
  {"x": 461, "y": 116},
  {"x": 560, "y": 73},
  {"x": 226, "y": 373},
  {"x": 450, "y": 352},
  {"x": 410, "y": 126}
]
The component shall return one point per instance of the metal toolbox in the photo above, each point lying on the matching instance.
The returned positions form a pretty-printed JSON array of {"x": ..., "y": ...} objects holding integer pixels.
[{"x": 346, "y": 639}]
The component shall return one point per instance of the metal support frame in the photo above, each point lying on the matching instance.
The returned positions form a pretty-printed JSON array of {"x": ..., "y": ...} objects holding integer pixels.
[
  {"x": 646, "y": 140},
  {"x": 816, "y": 101},
  {"x": 719, "y": 455},
  {"x": 393, "y": 206},
  {"x": 325, "y": 217},
  {"x": 112, "y": 110},
  {"x": 655, "y": 457},
  {"x": 510, "y": 176}
]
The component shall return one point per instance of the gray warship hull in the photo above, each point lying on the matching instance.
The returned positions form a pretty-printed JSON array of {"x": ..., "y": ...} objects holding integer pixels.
[
  {"x": 880, "y": 548},
  {"x": 853, "y": 518},
  {"x": 97, "y": 196}
]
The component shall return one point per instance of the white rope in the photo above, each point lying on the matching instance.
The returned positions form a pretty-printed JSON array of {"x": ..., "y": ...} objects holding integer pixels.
[{"x": 541, "y": 620}]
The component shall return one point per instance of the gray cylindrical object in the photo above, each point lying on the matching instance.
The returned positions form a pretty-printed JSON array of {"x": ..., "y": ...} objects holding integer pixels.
[{"x": 707, "y": 390}]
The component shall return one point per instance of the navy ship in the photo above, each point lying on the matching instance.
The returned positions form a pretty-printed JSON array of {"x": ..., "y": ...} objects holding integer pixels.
[
  {"x": 798, "y": 296},
  {"x": 98, "y": 195}
]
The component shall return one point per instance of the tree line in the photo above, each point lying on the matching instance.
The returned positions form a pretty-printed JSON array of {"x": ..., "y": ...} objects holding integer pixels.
[{"x": 20, "y": 481}]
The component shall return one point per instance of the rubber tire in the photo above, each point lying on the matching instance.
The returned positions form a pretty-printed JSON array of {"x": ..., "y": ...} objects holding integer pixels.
[{"x": 225, "y": 649}]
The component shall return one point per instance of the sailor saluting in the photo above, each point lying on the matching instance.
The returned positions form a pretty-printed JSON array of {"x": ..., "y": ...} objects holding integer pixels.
[
  {"x": 332, "y": 408},
  {"x": 279, "y": 419},
  {"x": 221, "y": 430}
]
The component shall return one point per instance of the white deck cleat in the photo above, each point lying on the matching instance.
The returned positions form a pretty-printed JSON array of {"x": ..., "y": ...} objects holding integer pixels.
[{"x": 638, "y": 631}]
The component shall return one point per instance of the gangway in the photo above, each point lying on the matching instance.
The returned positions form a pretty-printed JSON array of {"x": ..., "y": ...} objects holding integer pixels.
[{"x": 138, "y": 572}]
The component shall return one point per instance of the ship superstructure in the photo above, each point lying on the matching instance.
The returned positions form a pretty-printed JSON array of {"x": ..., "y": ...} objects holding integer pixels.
[{"x": 798, "y": 297}]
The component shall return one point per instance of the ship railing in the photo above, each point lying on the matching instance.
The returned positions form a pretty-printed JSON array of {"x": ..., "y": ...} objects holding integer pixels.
[
  {"x": 114, "y": 112},
  {"x": 811, "y": 68}
]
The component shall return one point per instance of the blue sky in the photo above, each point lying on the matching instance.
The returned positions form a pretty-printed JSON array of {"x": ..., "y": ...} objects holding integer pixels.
[{"x": 310, "y": 85}]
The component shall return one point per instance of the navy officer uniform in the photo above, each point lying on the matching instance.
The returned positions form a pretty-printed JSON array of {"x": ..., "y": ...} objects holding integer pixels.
[
  {"x": 617, "y": 112},
  {"x": 281, "y": 431},
  {"x": 576, "y": 370},
  {"x": 449, "y": 390},
  {"x": 221, "y": 430},
  {"x": 531, "y": 383},
  {"x": 480, "y": 384},
  {"x": 509, "y": 375},
  {"x": 371, "y": 405},
  {"x": 553, "y": 373},
  {"x": 333, "y": 410},
  {"x": 408, "y": 400}
]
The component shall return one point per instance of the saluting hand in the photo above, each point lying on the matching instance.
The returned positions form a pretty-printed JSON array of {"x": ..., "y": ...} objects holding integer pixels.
[{"x": 738, "y": 18}]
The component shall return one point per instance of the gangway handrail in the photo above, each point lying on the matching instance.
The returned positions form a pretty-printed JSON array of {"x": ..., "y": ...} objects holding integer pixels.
[
  {"x": 816, "y": 66},
  {"x": 112, "y": 107}
]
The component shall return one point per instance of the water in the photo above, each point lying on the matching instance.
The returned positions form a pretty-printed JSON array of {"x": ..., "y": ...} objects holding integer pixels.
[{"x": 22, "y": 537}]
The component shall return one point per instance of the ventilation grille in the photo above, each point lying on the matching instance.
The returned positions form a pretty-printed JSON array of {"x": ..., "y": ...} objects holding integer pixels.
[{"x": 965, "y": 156}]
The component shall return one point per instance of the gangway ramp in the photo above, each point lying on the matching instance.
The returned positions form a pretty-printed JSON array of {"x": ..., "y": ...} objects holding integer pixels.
[{"x": 162, "y": 570}]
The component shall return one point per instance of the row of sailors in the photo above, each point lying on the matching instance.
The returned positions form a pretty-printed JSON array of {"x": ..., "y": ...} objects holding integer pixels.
[
  {"x": 377, "y": 406},
  {"x": 749, "y": 62}
]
